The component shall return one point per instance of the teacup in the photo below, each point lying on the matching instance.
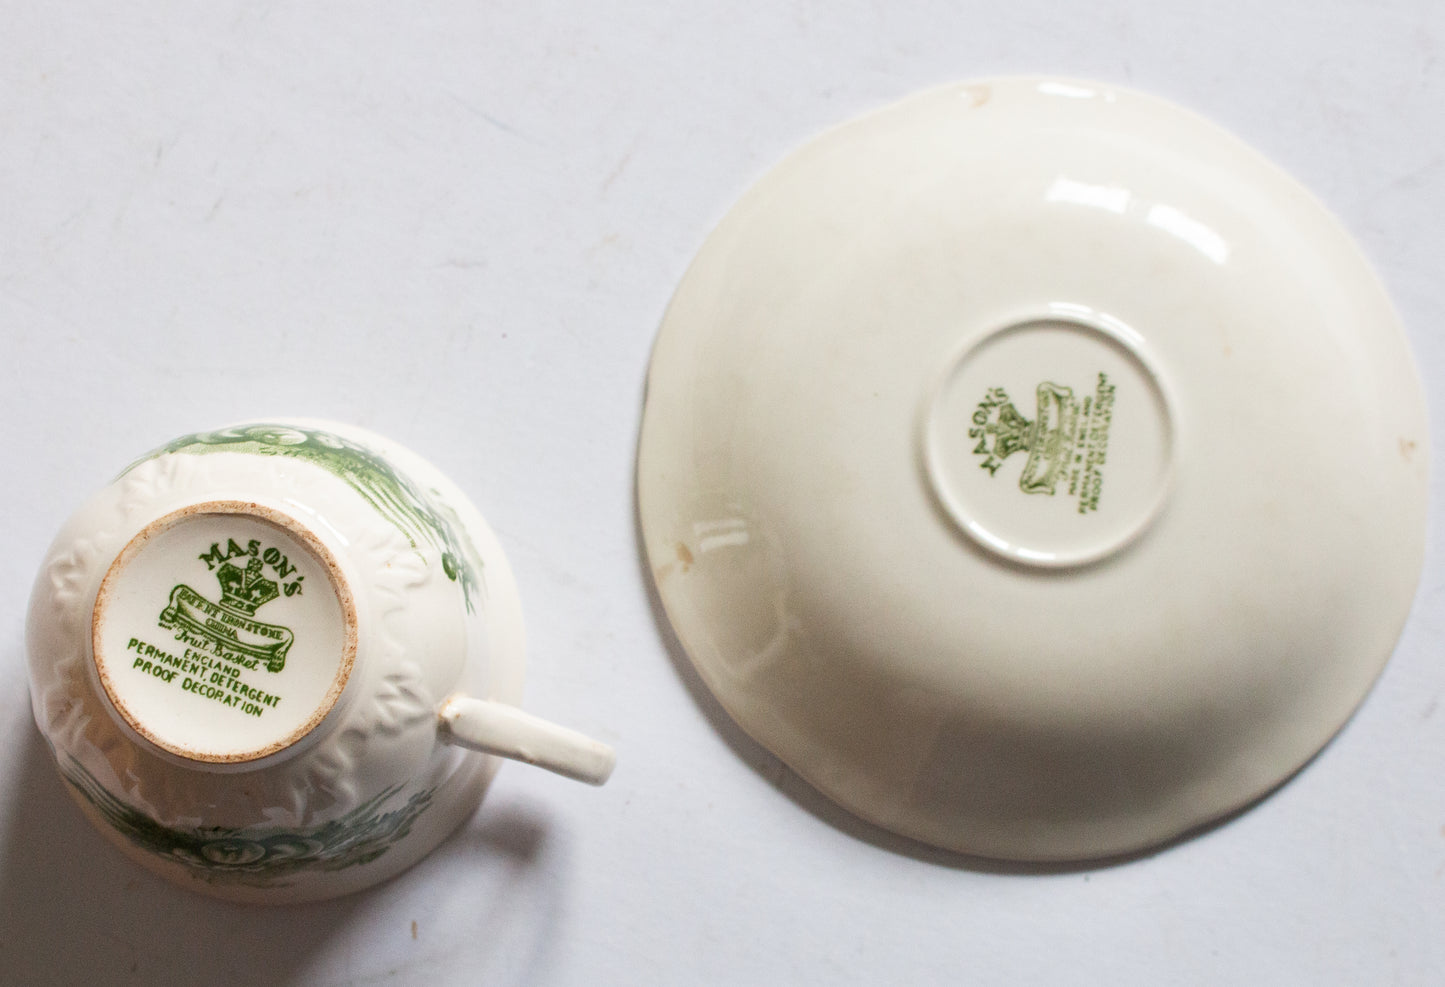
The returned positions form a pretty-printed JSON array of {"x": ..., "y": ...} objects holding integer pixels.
[{"x": 259, "y": 654}]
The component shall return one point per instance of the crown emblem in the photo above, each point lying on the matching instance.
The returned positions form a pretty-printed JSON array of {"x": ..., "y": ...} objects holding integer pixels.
[
  {"x": 229, "y": 629},
  {"x": 245, "y": 589},
  {"x": 1049, "y": 439},
  {"x": 1000, "y": 429}
]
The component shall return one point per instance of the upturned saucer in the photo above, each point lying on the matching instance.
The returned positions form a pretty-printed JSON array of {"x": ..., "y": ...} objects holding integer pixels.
[{"x": 1034, "y": 468}]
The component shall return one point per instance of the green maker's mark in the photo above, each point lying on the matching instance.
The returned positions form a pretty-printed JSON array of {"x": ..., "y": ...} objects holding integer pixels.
[
  {"x": 1048, "y": 439},
  {"x": 230, "y": 626}
]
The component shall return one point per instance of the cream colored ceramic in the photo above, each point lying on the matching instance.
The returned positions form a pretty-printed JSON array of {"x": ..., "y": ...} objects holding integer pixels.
[
  {"x": 259, "y": 654},
  {"x": 1034, "y": 468}
]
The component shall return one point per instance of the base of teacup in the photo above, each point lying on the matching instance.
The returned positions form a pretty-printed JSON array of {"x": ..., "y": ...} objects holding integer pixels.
[{"x": 224, "y": 634}]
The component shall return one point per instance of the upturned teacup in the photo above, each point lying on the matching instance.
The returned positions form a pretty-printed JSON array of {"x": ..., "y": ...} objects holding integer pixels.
[{"x": 264, "y": 656}]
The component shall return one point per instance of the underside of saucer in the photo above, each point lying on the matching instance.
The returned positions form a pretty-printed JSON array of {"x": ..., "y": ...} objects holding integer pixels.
[{"x": 1035, "y": 469}]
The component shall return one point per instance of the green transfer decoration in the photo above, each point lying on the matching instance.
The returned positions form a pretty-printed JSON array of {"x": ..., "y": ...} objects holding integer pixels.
[
  {"x": 415, "y": 512},
  {"x": 259, "y": 856}
]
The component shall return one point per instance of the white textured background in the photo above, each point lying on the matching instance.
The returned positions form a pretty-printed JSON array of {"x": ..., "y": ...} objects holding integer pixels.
[{"x": 458, "y": 224}]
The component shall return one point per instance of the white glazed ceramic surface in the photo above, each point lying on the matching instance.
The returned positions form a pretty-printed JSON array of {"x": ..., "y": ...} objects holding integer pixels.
[
  {"x": 258, "y": 654},
  {"x": 1034, "y": 468}
]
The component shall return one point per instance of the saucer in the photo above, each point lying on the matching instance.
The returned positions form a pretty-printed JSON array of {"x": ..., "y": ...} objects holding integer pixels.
[{"x": 1034, "y": 468}]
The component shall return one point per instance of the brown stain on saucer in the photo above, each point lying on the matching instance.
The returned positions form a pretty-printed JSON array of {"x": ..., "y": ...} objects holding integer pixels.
[
  {"x": 684, "y": 560},
  {"x": 977, "y": 95}
]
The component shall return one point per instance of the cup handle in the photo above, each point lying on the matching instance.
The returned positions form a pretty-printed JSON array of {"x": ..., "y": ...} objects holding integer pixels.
[{"x": 496, "y": 728}]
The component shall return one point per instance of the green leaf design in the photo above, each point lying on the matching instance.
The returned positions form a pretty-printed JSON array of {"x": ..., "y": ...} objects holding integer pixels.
[
  {"x": 259, "y": 856},
  {"x": 415, "y": 512}
]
